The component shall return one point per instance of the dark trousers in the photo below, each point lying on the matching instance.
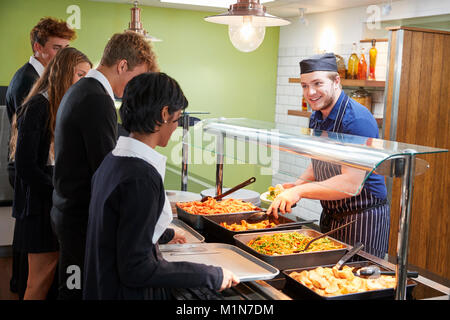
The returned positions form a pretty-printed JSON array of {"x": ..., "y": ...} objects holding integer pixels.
[{"x": 70, "y": 230}]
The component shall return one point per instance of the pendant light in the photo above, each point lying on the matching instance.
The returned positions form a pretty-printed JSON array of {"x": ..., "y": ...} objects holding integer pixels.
[
  {"x": 136, "y": 25},
  {"x": 247, "y": 21}
]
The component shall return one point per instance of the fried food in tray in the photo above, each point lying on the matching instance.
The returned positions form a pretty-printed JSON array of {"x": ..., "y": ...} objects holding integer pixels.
[
  {"x": 290, "y": 243},
  {"x": 330, "y": 282},
  {"x": 244, "y": 225},
  {"x": 212, "y": 206}
]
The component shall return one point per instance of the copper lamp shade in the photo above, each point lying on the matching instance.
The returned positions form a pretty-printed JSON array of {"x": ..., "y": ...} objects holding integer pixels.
[
  {"x": 248, "y": 8},
  {"x": 135, "y": 24}
]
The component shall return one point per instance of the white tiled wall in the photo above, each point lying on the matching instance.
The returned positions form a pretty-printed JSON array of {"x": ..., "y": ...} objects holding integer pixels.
[{"x": 289, "y": 97}]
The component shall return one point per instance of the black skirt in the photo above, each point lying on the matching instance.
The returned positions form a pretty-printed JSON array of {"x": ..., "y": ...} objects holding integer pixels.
[{"x": 34, "y": 234}]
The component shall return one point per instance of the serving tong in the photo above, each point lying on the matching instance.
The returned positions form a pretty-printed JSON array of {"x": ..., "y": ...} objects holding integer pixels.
[
  {"x": 234, "y": 189},
  {"x": 373, "y": 271},
  {"x": 262, "y": 215}
]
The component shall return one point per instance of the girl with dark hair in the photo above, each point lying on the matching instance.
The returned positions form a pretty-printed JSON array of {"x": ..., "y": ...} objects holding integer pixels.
[
  {"x": 129, "y": 212},
  {"x": 31, "y": 147}
]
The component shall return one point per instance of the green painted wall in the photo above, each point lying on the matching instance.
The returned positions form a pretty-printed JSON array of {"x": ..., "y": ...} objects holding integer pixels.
[{"x": 214, "y": 75}]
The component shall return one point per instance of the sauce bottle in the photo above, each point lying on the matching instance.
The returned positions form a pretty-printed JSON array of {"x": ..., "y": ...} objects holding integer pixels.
[
  {"x": 362, "y": 66},
  {"x": 304, "y": 104},
  {"x": 372, "y": 60},
  {"x": 353, "y": 64}
]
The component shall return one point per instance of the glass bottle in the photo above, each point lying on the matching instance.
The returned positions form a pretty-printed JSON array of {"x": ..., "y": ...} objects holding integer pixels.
[
  {"x": 304, "y": 104},
  {"x": 372, "y": 60},
  {"x": 353, "y": 64},
  {"x": 362, "y": 66}
]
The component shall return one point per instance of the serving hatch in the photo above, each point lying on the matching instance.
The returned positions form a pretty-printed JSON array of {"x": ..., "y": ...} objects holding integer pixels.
[
  {"x": 294, "y": 260},
  {"x": 244, "y": 265}
]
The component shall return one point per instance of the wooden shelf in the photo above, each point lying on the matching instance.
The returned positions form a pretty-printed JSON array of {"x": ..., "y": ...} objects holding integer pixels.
[
  {"x": 377, "y": 40},
  {"x": 353, "y": 83},
  {"x": 363, "y": 83},
  {"x": 299, "y": 113}
]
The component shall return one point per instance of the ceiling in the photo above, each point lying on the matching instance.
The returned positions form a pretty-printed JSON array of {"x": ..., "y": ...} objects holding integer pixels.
[{"x": 281, "y": 8}]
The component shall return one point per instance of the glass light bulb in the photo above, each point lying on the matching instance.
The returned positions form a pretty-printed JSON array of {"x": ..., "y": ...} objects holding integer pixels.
[{"x": 245, "y": 36}]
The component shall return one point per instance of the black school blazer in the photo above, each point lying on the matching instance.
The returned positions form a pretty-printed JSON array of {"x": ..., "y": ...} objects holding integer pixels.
[
  {"x": 33, "y": 181},
  {"x": 19, "y": 87}
]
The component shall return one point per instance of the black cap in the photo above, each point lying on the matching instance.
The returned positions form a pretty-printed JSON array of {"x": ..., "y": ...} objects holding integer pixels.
[{"x": 321, "y": 62}]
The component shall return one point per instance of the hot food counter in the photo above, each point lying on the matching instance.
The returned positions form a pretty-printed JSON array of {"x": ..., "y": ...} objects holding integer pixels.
[{"x": 240, "y": 139}]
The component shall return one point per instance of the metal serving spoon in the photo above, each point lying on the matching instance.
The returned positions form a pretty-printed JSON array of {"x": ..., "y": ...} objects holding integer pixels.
[
  {"x": 326, "y": 234},
  {"x": 357, "y": 247}
]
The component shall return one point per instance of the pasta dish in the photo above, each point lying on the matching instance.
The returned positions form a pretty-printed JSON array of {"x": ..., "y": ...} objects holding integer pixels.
[
  {"x": 211, "y": 206},
  {"x": 290, "y": 243}
]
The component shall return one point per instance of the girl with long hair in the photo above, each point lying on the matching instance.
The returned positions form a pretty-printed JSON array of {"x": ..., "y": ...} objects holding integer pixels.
[{"x": 32, "y": 150}]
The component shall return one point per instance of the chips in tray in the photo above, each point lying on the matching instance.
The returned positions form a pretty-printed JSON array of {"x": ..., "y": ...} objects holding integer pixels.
[
  {"x": 244, "y": 225},
  {"x": 290, "y": 243},
  {"x": 212, "y": 206},
  {"x": 333, "y": 282}
]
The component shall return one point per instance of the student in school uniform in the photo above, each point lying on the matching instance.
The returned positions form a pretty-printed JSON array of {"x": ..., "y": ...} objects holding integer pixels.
[
  {"x": 85, "y": 132},
  {"x": 47, "y": 37},
  {"x": 129, "y": 211},
  {"x": 32, "y": 148},
  {"x": 335, "y": 112}
]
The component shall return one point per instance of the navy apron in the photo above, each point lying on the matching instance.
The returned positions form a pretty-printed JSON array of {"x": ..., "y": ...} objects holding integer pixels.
[{"x": 371, "y": 213}]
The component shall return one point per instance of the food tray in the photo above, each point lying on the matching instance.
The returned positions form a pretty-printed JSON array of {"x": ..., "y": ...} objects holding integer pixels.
[
  {"x": 212, "y": 225},
  {"x": 191, "y": 235},
  {"x": 299, "y": 291},
  {"x": 196, "y": 220},
  {"x": 295, "y": 260},
  {"x": 242, "y": 264}
]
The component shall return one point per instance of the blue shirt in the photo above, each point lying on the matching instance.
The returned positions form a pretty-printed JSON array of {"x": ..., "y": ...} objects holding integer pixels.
[{"x": 357, "y": 120}]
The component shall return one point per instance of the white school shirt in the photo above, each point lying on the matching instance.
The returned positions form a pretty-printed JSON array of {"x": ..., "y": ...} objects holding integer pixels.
[
  {"x": 97, "y": 75},
  {"x": 36, "y": 65},
  {"x": 129, "y": 147}
]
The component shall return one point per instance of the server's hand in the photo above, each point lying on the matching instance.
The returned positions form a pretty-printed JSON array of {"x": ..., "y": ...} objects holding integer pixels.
[
  {"x": 229, "y": 279},
  {"x": 284, "y": 201}
]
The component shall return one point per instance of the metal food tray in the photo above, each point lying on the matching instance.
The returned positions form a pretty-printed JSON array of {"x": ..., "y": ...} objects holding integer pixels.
[
  {"x": 196, "y": 220},
  {"x": 212, "y": 225},
  {"x": 295, "y": 260},
  {"x": 299, "y": 291},
  {"x": 243, "y": 265},
  {"x": 191, "y": 235}
]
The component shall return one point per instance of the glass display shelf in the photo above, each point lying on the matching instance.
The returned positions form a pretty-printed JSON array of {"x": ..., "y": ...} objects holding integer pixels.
[{"x": 241, "y": 140}]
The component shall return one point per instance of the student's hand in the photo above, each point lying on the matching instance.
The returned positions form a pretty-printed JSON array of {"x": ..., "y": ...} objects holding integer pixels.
[
  {"x": 229, "y": 279},
  {"x": 284, "y": 201},
  {"x": 178, "y": 238}
]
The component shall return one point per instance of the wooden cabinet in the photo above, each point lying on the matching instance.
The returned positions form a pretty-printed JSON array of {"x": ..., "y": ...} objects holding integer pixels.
[{"x": 417, "y": 111}]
